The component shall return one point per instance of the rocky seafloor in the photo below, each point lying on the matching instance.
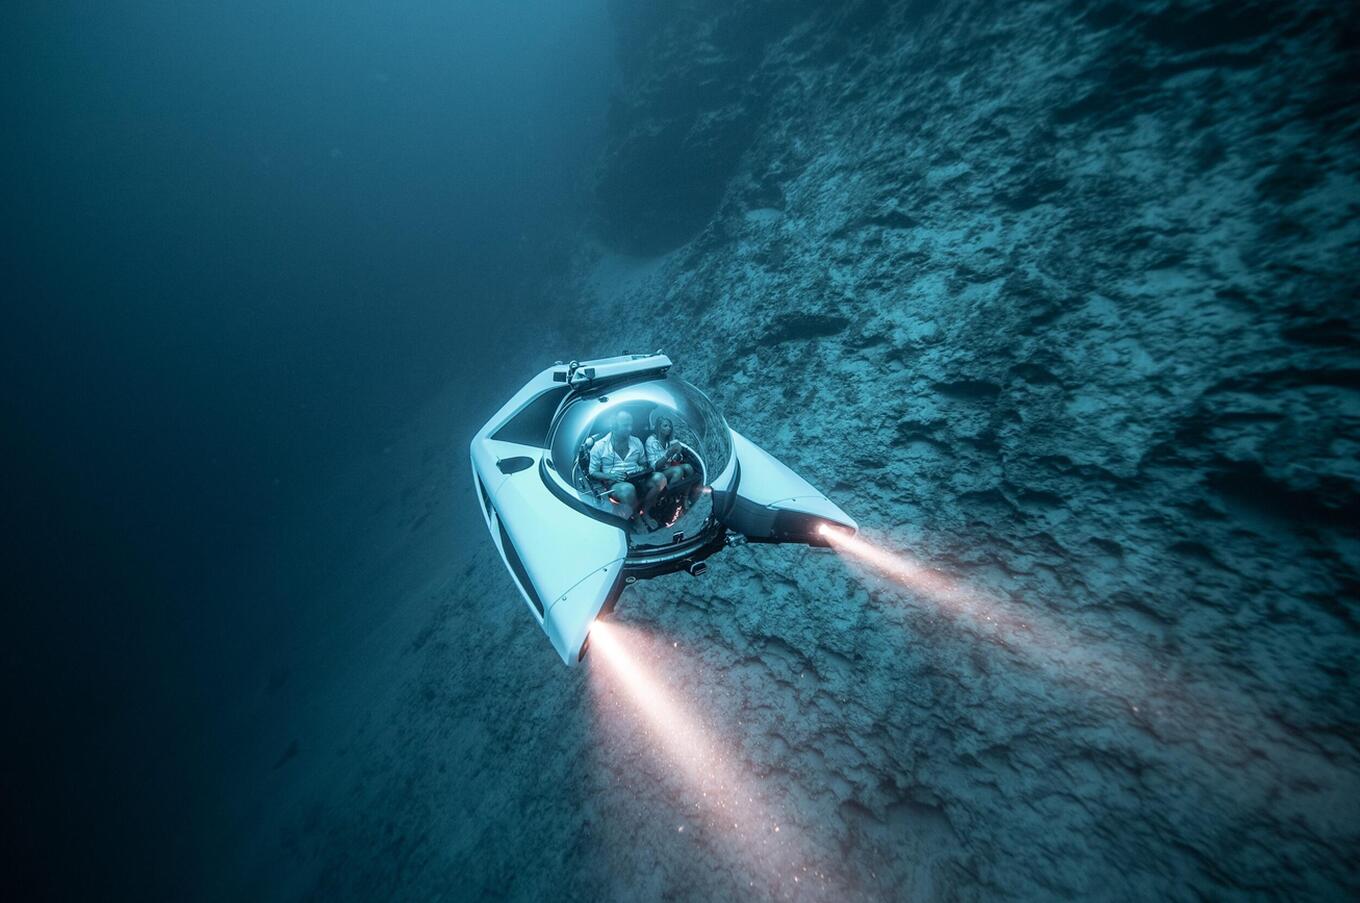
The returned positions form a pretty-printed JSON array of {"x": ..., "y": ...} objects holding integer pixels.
[{"x": 1059, "y": 300}]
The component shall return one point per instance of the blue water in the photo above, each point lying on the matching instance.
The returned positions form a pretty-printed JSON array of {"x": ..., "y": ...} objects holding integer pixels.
[
  {"x": 243, "y": 242},
  {"x": 1057, "y": 299}
]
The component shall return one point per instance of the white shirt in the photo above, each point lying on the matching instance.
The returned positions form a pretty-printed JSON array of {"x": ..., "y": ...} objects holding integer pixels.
[
  {"x": 604, "y": 457},
  {"x": 656, "y": 452}
]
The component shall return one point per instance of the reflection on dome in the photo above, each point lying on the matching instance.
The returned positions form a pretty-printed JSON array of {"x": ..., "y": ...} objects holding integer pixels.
[{"x": 649, "y": 466}]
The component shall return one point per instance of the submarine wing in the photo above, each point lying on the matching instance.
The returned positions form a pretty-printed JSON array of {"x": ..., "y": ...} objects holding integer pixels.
[
  {"x": 566, "y": 564},
  {"x": 768, "y": 502}
]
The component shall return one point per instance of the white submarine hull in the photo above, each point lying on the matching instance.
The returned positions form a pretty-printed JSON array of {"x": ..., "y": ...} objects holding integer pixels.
[{"x": 568, "y": 547}]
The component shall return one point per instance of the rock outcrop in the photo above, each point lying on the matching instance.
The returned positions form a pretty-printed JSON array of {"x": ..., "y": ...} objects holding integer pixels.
[{"x": 1060, "y": 301}]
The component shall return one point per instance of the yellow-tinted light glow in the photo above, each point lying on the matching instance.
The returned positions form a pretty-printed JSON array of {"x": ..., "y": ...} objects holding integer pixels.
[
  {"x": 903, "y": 568},
  {"x": 1023, "y": 629},
  {"x": 717, "y": 788},
  {"x": 1143, "y": 686}
]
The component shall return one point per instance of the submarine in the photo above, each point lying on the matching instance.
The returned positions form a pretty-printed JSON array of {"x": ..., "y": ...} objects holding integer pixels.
[{"x": 597, "y": 474}]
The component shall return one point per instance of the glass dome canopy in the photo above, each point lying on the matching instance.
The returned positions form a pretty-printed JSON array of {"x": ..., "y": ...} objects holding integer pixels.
[{"x": 586, "y": 418}]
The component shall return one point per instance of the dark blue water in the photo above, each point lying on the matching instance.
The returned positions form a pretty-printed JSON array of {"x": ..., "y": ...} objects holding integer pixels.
[
  {"x": 1057, "y": 299},
  {"x": 242, "y": 240}
]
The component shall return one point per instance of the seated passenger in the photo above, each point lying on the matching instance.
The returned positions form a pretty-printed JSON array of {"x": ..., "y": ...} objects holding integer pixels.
[
  {"x": 665, "y": 453},
  {"x": 618, "y": 458}
]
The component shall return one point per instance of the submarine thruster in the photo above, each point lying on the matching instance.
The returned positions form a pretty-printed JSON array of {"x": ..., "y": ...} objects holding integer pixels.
[{"x": 601, "y": 473}]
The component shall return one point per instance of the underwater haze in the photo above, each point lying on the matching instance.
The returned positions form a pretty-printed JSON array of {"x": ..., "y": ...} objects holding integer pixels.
[
  {"x": 245, "y": 243},
  {"x": 1058, "y": 300}
]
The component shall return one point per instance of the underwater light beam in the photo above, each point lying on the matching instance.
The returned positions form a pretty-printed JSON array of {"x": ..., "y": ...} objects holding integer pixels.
[
  {"x": 1152, "y": 691},
  {"x": 1042, "y": 641},
  {"x": 1024, "y": 632},
  {"x": 897, "y": 566},
  {"x": 759, "y": 842}
]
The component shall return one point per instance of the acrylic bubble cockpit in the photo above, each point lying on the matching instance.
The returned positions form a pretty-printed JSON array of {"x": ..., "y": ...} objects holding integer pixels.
[{"x": 678, "y": 444}]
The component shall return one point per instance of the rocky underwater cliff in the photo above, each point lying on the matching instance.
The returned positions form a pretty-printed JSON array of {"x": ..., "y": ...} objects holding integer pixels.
[
  {"x": 1058, "y": 299},
  {"x": 1062, "y": 298}
]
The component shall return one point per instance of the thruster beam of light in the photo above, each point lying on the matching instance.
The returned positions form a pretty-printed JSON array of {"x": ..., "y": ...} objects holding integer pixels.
[
  {"x": 728, "y": 801},
  {"x": 1149, "y": 692}
]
